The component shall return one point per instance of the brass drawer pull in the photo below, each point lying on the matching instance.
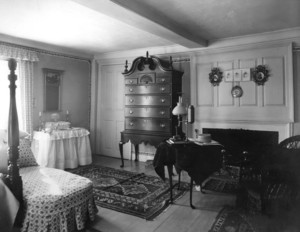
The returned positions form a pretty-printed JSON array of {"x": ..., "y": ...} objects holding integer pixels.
[
  {"x": 163, "y": 80},
  {"x": 131, "y": 100},
  {"x": 130, "y": 111},
  {"x": 162, "y": 125},
  {"x": 162, "y": 112},
  {"x": 130, "y": 90},
  {"x": 131, "y": 124},
  {"x": 162, "y": 89},
  {"x": 163, "y": 100},
  {"x": 131, "y": 81}
]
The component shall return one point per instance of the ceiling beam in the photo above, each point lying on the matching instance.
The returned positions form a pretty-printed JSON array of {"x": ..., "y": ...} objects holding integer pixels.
[{"x": 138, "y": 17}]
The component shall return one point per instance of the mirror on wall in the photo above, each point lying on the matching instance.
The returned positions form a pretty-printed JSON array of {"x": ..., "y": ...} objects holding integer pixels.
[{"x": 52, "y": 89}]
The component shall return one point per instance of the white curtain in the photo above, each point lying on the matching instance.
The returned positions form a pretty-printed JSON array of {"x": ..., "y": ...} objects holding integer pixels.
[
  {"x": 26, "y": 59},
  {"x": 26, "y": 85},
  {"x": 7, "y": 51}
]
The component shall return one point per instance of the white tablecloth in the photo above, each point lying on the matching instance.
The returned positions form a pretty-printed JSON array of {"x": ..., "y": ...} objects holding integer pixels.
[{"x": 62, "y": 148}]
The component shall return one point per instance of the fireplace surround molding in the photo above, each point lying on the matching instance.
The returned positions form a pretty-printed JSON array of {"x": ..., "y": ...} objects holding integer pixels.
[{"x": 284, "y": 129}]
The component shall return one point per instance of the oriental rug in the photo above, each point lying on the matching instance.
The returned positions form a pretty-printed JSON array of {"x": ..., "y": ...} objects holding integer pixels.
[
  {"x": 231, "y": 219},
  {"x": 132, "y": 193},
  {"x": 224, "y": 181},
  {"x": 221, "y": 185}
]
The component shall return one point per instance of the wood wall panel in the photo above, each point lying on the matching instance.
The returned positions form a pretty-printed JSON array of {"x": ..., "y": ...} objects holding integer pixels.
[
  {"x": 269, "y": 103},
  {"x": 224, "y": 89},
  {"x": 250, "y": 95},
  {"x": 119, "y": 127},
  {"x": 113, "y": 86},
  {"x": 119, "y": 89},
  {"x": 108, "y": 84},
  {"x": 111, "y": 102},
  {"x": 246, "y": 63},
  {"x": 274, "y": 88},
  {"x": 205, "y": 91},
  {"x": 109, "y": 127},
  {"x": 224, "y": 94}
]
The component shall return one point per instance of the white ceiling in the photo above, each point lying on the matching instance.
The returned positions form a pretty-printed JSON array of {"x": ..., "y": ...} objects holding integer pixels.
[{"x": 91, "y": 27}]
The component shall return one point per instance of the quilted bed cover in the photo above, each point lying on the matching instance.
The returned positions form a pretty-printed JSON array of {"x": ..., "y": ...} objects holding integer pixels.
[{"x": 56, "y": 200}]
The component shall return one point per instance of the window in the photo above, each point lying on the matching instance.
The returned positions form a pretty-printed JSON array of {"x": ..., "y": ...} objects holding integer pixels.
[{"x": 5, "y": 95}]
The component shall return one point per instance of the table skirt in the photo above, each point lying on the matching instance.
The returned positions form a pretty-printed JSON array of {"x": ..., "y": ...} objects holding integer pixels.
[{"x": 62, "y": 153}]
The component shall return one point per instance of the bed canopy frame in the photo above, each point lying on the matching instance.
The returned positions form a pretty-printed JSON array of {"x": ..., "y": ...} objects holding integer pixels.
[
  {"x": 13, "y": 179},
  {"x": 39, "y": 209}
]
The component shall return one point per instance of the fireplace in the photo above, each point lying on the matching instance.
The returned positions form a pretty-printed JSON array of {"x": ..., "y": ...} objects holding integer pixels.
[{"x": 237, "y": 141}]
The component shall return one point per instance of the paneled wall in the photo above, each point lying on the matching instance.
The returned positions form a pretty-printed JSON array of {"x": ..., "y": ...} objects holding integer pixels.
[
  {"x": 296, "y": 74},
  {"x": 269, "y": 106}
]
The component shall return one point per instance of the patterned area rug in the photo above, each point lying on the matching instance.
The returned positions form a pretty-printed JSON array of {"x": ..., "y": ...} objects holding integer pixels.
[
  {"x": 232, "y": 220},
  {"x": 128, "y": 192},
  {"x": 222, "y": 185},
  {"x": 239, "y": 220},
  {"x": 225, "y": 181}
]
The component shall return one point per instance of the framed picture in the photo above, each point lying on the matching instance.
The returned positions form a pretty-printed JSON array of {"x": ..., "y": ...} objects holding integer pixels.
[
  {"x": 52, "y": 89},
  {"x": 228, "y": 75}
]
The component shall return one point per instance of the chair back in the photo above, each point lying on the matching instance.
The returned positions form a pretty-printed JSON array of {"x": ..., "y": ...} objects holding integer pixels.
[{"x": 291, "y": 143}]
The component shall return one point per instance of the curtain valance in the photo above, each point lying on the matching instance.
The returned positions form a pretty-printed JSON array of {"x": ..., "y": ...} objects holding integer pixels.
[{"x": 17, "y": 53}]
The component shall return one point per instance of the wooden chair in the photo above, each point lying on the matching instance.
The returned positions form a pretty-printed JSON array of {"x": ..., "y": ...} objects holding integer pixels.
[{"x": 277, "y": 185}]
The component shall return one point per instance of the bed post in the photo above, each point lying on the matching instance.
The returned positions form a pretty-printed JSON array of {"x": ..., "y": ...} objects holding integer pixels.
[{"x": 14, "y": 179}]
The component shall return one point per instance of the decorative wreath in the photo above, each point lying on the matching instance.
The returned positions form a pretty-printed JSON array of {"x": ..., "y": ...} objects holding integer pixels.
[
  {"x": 215, "y": 76},
  {"x": 260, "y": 74}
]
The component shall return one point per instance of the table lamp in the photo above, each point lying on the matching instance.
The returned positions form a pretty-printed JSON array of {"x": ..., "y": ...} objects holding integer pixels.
[{"x": 179, "y": 111}]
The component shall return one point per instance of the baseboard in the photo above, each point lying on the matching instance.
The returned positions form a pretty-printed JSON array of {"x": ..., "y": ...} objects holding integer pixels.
[{"x": 143, "y": 156}]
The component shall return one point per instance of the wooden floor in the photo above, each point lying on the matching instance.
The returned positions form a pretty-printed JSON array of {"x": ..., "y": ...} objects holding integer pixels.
[{"x": 179, "y": 217}]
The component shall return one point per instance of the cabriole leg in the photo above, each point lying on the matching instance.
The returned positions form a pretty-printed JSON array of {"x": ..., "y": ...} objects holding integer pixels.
[
  {"x": 136, "y": 148},
  {"x": 121, "y": 153}
]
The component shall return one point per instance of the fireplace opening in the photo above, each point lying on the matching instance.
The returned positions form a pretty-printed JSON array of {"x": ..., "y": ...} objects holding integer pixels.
[{"x": 236, "y": 141}]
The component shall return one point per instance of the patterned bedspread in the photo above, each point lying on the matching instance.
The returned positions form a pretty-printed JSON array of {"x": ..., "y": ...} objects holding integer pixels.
[{"x": 56, "y": 200}]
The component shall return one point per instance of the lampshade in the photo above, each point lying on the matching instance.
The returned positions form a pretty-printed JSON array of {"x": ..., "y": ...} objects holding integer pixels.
[{"x": 179, "y": 109}]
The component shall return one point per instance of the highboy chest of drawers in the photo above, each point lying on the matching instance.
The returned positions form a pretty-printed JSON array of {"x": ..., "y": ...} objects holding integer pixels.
[{"x": 152, "y": 89}]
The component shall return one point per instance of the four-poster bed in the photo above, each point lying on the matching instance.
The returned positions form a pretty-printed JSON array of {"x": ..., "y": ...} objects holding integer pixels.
[{"x": 50, "y": 199}]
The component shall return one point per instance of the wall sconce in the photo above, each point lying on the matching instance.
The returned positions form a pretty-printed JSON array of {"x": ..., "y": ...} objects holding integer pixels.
[
  {"x": 41, "y": 121},
  {"x": 67, "y": 116}
]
